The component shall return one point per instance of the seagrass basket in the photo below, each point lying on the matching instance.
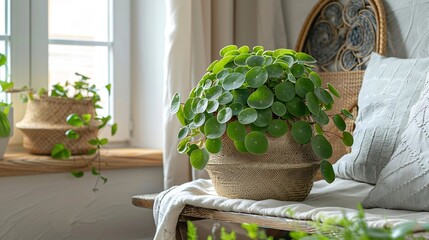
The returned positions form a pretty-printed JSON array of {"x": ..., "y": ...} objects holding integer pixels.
[
  {"x": 44, "y": 125},
  {"x": 285, "y": 172}
]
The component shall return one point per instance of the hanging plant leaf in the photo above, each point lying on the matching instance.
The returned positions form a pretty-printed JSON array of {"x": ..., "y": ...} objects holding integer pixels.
[
  {"x": 256, "y": 143},
  {"x": 301, "y": 132},
  {"x": 327, "y": 171},
  {"x": 212, "y": 106},
  {"x": 75, "y": 120},
  {"x": 199, "y": 158},
  {"x": 236, "y": 131},
  {"x": 233, "y": 81},
  {"x": 277, "y": 128},
  {"x": 304, "y": 57},
  {"x": 339, "y": 122},
  {"x": 254, "y": 61},
  {"x": 278, "y": 108},
  {"x": 256, "y": 77},
  {"x": 72, "y": 134},
  {"x": 285, "y": 91},
  {"x": 264, "y": 118},
  {"x": 315, "y": 78},
  {"x": 247, "y": 116},
  {"x": 214, "y": 129},
  {"x": 59, "y": 151},
  {"x": 347, "y": 114},
  {"x": 296, "y": 107},
  {"x": 312, "y": 103},
  {"x": 214, "y": 145},
  {"x": 175, "y": 103},
  {"x": 323, "y": 96},
  {"x": 274, "y": 70},
  {"x": 225, "y": 98},
  {"x": 333, "y": 90},
  {"x": 236, "y": 108},
  {"x": 261, "y": 98},
  {"x": 347, "y": 139},
  {"x": 303, "y": 86},
  {"x": 224, "y": 115},
  {"x": 321, "y": 147}
]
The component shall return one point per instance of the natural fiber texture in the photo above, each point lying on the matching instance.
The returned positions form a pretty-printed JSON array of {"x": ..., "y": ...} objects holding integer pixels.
[
  {"x": 285, "y": 172},
  {"x": 44, "y": 124}
]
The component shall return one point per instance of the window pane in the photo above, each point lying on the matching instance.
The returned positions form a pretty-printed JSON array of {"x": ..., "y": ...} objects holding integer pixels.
[
  {"x": 79, "y": 20},
  {"x": 91, "y": 61},
  {"x": 2, "y": 17}
]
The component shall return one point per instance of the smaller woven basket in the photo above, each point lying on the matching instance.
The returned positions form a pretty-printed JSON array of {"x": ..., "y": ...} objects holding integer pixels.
[
  {"x": 44, "y": 125},
  {"x": 285, "y": 172}
]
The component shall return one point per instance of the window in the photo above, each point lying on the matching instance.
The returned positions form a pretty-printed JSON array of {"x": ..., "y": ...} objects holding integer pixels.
[{"x": 65, "y": 37}]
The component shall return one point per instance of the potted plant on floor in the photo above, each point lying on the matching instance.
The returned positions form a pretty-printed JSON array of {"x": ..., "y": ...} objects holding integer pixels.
[
  {"x": 255, "y": 123},
  {"x": 6, "y": 113}
]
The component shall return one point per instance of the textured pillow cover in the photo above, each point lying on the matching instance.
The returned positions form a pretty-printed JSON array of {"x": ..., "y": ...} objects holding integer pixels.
[
  {"x": 404, "y": 181},
  {"x": 390, "y": 88}
]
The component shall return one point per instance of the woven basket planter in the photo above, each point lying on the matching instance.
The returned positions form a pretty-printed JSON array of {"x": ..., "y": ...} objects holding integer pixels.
[
  {"x": 44, "y": 125},
  {"x": 285, "y": 172}
]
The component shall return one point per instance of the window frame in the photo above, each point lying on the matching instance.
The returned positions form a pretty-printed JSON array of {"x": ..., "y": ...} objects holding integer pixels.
[{"x": 29, "y": 55}]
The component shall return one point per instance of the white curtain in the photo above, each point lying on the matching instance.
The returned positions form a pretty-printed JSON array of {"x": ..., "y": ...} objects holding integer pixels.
[{"x": 195, "y": 32}]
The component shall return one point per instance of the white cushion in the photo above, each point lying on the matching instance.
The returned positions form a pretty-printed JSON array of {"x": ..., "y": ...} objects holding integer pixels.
[
  {"x": 404, "y": 182},
  {"x": 389, "y": 89}
]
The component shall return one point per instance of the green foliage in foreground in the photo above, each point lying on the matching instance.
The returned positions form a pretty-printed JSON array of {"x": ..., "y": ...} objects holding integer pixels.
[
  {"x": 250, "y": 94},
  {"x": 5, "y": 126},
  {"x": 346, "y": 229}
]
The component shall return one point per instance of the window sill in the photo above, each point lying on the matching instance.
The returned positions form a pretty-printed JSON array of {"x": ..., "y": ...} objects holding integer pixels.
[{"x": 17, "y": 162}]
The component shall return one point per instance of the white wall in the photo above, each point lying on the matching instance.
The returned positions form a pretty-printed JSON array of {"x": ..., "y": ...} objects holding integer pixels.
[{"x": 295, "y": 13}]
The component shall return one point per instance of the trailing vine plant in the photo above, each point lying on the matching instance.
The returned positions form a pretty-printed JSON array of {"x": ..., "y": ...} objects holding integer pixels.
[{"x": 250, "y": 94}]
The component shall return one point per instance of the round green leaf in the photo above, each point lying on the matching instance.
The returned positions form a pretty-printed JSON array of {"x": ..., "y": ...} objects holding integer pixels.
[
  {"x": 199, "y": 158},
  {"x": 291, "y": 78},
  {"x": 72, "y": 134},
  {"x": 274, "y": 70},
  {"x": 232, "y": 52},
  {"x": 213, "y": 92},
  {"x": 283, "y": 51},
  {"x": 224, "y": 115},
  {"x": 236, "y": 108},
  {"x": 315, "y": 78},
  {"x": 347, "y": 114},
  {"x": 253, "y": 127},
  {"x": 278, "y": 108},
  {"x": 59, "y": 151},
  {"x": 333, "y": 90},
  {"x": 256, "y": 77},
  {"x": 219, "y": 66},
  {"x": 214, "y": 145},
  {"x": 303, "y": 86},
  {"x": 222, "y": 74},
  {"x": 296, "y": 107},
  {"x": 327, "y": 171},
  {"x": 194, "y": 105},
  {"x": 212, "y": 106},
  {"x": 225, "y": 98},
  {"x": 240, "y": 60},
  {"x": 277, "y": 128},
  {"x": 233, "y": 81},
  {"x": 297, "y": 70},
  {"x": 214, "y": 129},
  {"x": 261, "y": 98},
  {"x": 183, "y": 145},
  {"x": 191, "y": 148},
  {"x": 323, "y": 96},
  {"x": 240, "y": 146},
  {"x": 183, "y": 132},
  {"x": 289, "y": 60},
  {"x": 321, "y": 118},
  {"x": 347, "y": 139},
  {"x": 242, "y": 70},
  {"x": 264, "y": 118},
  {"x": 4, "y": 125},
  {"x": 187, "y": 110},
  {"x": 236, "y": 131},
  {"x": 312, "y": 103},
  {"x": 201, "y": 105},
  {"x": 254, "y": 61},
  {"x": 74, "y": 120},
  {"x": 321, "y": 147},
  {"x": 318, "y": 129},
  {"x": 199, "y": 120},
  {"x": 226, "y": 49},
  {"x": 256, "y": 143},
  {"x": 285, "y": 91},
  {"x": 339, "y": 122},
  {"x": 301, "y": 132},
  {"x": 241, "y": 95},
  {"x": 268, "y": 60},
  {"x": 304, "y": 57},
  {"x": 207, "y": 84},
  {"x": 247, "y": 116},
  {"x": 175, "y": 103},
  {"x": 244, "y": 49}
]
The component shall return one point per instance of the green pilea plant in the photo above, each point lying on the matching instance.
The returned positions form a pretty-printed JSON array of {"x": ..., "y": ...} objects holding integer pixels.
[
  {"x": 4, "y": 107},
  {"x": 250, "y": 94}
]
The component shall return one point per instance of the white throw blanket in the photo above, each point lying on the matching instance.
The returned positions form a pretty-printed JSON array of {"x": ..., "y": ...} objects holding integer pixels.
[{"x": 325, "y": 201}]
